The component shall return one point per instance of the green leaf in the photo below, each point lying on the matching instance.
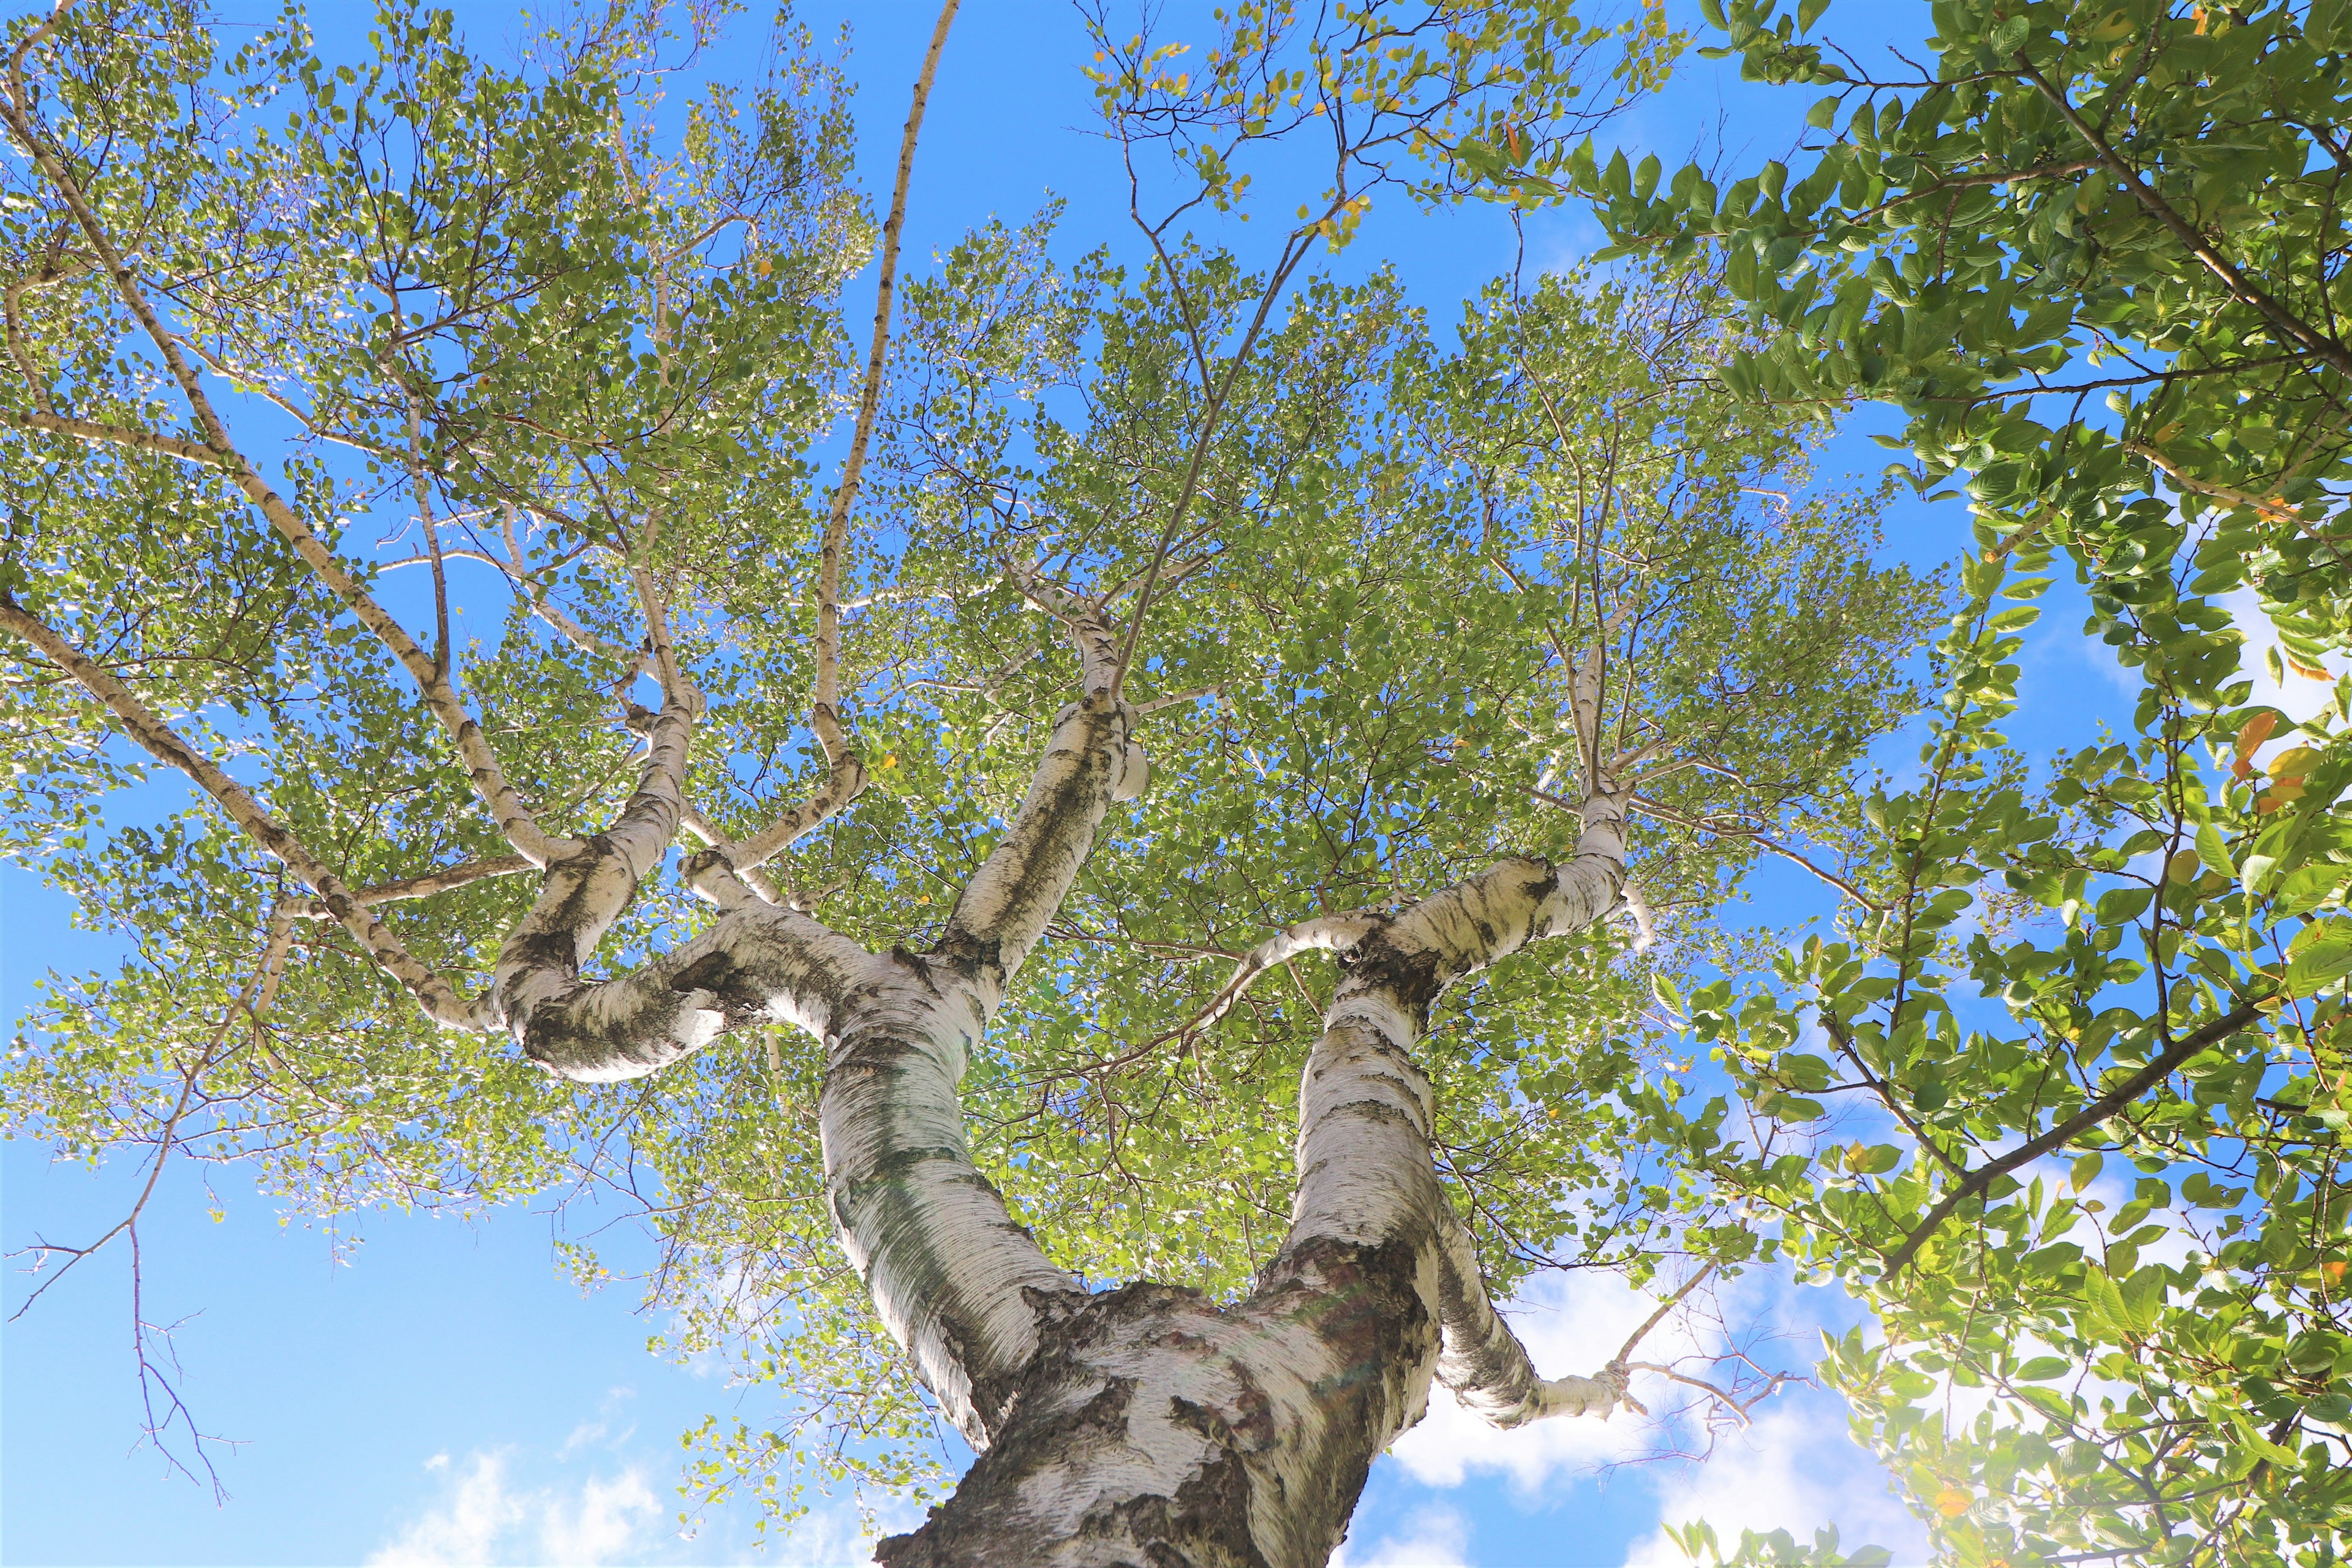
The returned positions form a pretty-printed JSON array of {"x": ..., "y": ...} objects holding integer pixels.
[
  {"x": 2320, "y": 953},
  {"x": 1669, "y": 995},
  {"x": 2213, "y": 852}
]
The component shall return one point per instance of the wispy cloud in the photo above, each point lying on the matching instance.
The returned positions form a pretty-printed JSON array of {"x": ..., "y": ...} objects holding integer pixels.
[
  {"x": 1794, "y": 1469},
  {"x": 601, "y": 1433},
  {"x": 1431, "y": 1538},
  {"x": 483, "y": 1518}
]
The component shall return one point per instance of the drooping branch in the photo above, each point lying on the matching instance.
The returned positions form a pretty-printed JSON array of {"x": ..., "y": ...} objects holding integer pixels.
[
  {"x": 1365, "y": 1117},
  {"x": 1483, "y": 1360},
  {"x": 488, "y": 777},
  {"x": 147, "y": 728}
]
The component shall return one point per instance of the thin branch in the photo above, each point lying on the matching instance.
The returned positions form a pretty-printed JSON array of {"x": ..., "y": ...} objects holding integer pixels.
[
  {"x": 2090, "y": 1116},
  {"x": 2277, "y": 511},
  {"x": 464, "y": 874},
  {"x": 1655, "y": 1318},
  {"x": 114, "y": 436},
  {"x": 514, "y": 820},
  {"x": 1961, "y": 182},
  {"x": 1331, "y": 933},
  {"x": 2245, "y": 290},
  {"x": 837, "y": 525},
  {"x": 440, "y": 999},
  {"x": 1738, "y": 1409}
]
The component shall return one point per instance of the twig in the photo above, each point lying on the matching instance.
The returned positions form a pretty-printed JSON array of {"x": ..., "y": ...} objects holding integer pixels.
[
  {"x": 2090, "y": 1116},
  {"x": 1655, "y": 1318}
]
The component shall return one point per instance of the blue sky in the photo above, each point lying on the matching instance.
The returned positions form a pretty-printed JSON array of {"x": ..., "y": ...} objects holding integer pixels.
[{"x": 422, "y": 1391}]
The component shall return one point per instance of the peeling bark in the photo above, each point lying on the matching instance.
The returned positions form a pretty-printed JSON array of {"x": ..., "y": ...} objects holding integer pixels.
[
  {"x": 1145, "y": 1424},
  {"x": 1152, "y": 1426}
]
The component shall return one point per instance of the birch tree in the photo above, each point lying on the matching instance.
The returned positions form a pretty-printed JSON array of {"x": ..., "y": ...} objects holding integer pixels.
[{"x": 889, "y": 884}]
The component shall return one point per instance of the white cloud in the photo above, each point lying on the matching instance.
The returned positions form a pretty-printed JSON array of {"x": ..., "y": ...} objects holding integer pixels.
[
  {"x": 825, "y": 1538},
  {"x": 1794, "y": 1469},
  {"x": 1432, "y": 1538},
  {"x": 1572, "y": 1327},
  {"x": 602, "y": 1525},
  {"x": 484, "y": 1519},
  {"x": 835, "y": 1537},
  {"x": 2299, "y": 697},
  {"x": 469, "y": 1525},
  {"x": 1576, "y": 1324}
]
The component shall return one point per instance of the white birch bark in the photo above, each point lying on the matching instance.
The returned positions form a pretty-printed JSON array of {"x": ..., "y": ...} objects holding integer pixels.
[
  {"x": 1153, "y": 1426},
  {"x": 958, "y": 1282}
]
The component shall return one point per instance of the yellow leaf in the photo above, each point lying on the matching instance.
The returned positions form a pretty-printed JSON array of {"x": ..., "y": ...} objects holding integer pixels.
[
  {"x": 2272, "y": 800},
  {"x": 1952, "y": 1503},
  {"x": 2304, "y": 670},
  {"x": 2292, "y": 763},
  {"x": 2249, "y": 739}
]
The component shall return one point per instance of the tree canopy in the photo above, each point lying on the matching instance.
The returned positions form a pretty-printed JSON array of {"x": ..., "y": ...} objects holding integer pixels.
[
  {"x": 2092, "y": 254},
  {"x": 474, "y": 482}
]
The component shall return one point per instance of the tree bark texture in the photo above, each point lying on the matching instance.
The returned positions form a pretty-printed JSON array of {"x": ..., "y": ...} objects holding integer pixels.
[
  {"x": 1144, "y": 1425},
  {"x": 1152, "y": 1426}
]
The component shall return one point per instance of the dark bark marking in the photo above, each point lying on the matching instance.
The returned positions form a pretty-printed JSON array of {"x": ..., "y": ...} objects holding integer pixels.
[
  {"x": 1414, "y": 977},
  {"x": 958, "y": 1534}
]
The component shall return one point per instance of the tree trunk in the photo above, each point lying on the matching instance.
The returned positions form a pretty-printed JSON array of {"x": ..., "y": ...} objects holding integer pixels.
[
  {"x": 1145, "y": 1425},
  {"x": 1152, "y": 1427}
]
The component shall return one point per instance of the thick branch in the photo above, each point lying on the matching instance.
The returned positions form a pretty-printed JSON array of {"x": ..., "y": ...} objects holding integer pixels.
[
  {"x": 844, "y": 779},
  {"x": 1090, "y": 761},
  {"x": 1483, "y": 1362},
  {"x": 539, "y": 965}
]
